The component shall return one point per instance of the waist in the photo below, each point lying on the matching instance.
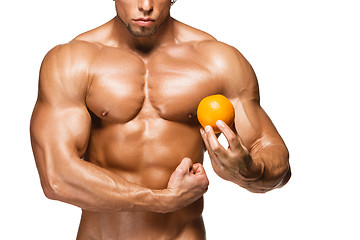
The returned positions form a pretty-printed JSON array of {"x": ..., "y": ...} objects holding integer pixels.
[{"x": 144, "y": 225}]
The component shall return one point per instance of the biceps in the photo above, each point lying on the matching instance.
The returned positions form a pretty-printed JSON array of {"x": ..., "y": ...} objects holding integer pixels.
[
  {"x": 60, "y": 131},
  {"x": 254, "y": 126}
]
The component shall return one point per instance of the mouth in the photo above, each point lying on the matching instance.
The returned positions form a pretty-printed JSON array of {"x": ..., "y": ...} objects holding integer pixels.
[{"x": 144, "y": 22}]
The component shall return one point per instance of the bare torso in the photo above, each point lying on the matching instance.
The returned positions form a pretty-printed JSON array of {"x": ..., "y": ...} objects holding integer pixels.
[
  {"x": 114, "y": 130},
  {"x": 143, "y": 111}
]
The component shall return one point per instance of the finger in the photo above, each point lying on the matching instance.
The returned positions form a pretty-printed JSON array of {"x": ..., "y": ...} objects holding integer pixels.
[
  {"x": 207, "y": 144},
  {"x": 202, "y": 174},
  {"x": 195, "y": 168},
  {"x": 185, "y": 165},
  {"x": 233, "y": 140},
  {"x": 213, "y": 157},
  {"x": 198, "y": 168},
  {"x": 214, "y": 142}
]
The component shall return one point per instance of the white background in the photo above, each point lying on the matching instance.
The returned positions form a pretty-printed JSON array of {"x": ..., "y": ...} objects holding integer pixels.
[{"x": 306, "y": 56}]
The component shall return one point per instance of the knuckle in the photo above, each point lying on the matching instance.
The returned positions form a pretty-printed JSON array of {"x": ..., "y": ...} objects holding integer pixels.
[
  {"x": 206, "y": 183},
  {"x": 197, "y": 164},
  {"x": 232, "y": 138},
  {"x": 216, "y": 148},
  {"x": 221, "y": 167}
]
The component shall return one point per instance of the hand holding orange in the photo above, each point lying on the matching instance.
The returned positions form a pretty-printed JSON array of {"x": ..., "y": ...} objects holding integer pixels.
[{"x": 213, "y": 108}]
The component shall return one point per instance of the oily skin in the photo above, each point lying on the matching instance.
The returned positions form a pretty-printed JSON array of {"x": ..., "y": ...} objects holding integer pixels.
[{"x": 114, "y": 129}]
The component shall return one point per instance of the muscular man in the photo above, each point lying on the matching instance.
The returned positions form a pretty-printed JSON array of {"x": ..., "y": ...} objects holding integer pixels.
[{"x": 114, "y": 130}]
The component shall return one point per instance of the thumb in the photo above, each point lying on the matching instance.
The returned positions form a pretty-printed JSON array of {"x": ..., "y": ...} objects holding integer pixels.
[{"x": 185, "y": 165}]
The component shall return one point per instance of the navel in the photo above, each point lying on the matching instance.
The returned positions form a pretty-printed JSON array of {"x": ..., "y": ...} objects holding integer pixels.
[{"x": 190, "y": 115}]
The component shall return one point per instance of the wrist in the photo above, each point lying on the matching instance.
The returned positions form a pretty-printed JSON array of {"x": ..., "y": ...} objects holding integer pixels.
[
  {"x": 252, "y": 171},
  {"x": 164, "y": 201}
]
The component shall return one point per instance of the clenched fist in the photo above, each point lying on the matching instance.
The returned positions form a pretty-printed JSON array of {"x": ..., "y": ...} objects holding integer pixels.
[{"x": 187, "y": 183}]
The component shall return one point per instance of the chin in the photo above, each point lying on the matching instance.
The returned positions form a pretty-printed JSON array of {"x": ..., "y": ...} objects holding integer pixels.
[{"x": 142, "y": 32}]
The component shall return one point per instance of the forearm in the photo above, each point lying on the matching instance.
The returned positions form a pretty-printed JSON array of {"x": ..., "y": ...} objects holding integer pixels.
[
  {"x": 91, "y": 187},
  {"x": 268, "y": 169}
]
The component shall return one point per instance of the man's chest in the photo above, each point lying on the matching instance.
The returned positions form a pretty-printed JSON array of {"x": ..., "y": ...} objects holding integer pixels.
[{"x": 167, "y": 84}]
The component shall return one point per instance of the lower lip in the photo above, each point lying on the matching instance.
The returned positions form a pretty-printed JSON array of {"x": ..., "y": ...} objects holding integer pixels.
[{"x": 144, "y": 23}]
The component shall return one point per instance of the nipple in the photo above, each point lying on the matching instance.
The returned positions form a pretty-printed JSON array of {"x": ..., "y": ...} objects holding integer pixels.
[{"x": 104, "y": 113}]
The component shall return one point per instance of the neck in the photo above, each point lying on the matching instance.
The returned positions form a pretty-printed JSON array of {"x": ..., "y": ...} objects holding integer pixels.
[{"x": 164, "y": 35}]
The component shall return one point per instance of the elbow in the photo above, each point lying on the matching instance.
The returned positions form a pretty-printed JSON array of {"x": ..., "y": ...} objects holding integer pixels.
[
  {"x": 281, "y": 178},
  {"x": 276, "y": 172},
  {"x": 285, "y": 178},
  {"x": 53, "y": 188},
  {"x": 282, "y": 173},
  {"x": 276, "y": 179}
]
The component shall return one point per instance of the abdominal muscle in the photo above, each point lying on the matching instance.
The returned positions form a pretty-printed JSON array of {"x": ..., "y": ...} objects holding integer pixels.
[{"x": 144, "y": 152}]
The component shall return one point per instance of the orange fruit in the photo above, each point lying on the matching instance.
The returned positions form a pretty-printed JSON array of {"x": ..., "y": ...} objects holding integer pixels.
[{"x": 213, "y": 108}]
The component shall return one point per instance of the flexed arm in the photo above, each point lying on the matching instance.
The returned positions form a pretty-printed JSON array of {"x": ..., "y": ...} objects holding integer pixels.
[
  {"x": 257, "y": 158},
  {"x": 60, "y": 130}
]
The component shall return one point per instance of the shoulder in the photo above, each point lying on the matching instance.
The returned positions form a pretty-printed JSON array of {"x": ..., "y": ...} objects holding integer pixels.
[
  {"x": 65, "y": 70},
  {"x": 222, "y": 56},
  {"x": 229, "y": 66},
  {"x": 65, "y": 57},
  {"x": 222, "y": 61},
  {"x": 67, "y": 61},
  {"x": 76, "y": 49},
  {"x": 218, "y": 53}
]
